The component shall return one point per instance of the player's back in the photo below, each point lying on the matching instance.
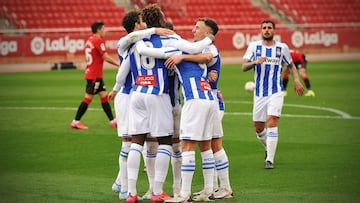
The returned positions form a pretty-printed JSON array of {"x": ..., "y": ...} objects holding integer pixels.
[
  {"x": 193, "y": 77},
  {"x": 94, "y": 49},
  {"x": 150, "y": 74}
]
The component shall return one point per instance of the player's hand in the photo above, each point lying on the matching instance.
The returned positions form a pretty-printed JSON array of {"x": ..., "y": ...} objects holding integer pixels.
[
  {"x": 174, "y": 59},
  {"x": 211, "y": 36},
  {"x": 112, "y": 95},
  {"x": 212, "y": 75},
  {"x": 163, "y": 31},
  {"x": 299, "y": 89}
]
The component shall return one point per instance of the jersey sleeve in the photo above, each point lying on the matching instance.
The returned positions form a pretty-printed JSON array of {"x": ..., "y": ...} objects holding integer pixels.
[
  {"x": 214, "y": 51},
  {"x": 188, "y": 47},
  {"x": 123, "y": 71},
  {"x": 250, "y": 54},
  {"x": 287, "y": 57},
  {"x": 133, "y": 37},
  {"x": 161, "y": 53}
]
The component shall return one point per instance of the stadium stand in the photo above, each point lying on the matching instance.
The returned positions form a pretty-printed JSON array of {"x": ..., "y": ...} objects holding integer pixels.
[
  {"x": 61, "y": 13},
  {"x": 66, "y": 13},
  {"x": 319, "y": 11},
  {"x": 226, "y": 12}
]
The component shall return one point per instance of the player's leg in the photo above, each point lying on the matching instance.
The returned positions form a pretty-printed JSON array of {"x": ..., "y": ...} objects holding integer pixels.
[
  {"x": 161, "y": 127},
  {"x": 209, "y": 121},
  {"x": 208, "y": 168},
  {"x": 222, "y": 169},
  {"x": 138, "y": 128},
  {"x": 176, "y": 157},
  {"x": 104, "y": 100},
  {"x": 187, "y": 166},
  {"x": 259, "y": 118},
  {"x": 133, "y": 162},
  {"x": 304, "y": 77},
  {"x": 274, "y": 112},
  {"x": 150, "y": 157},
  {"x": 121, "y": 100},
  {"x": 76, "y": 124}
]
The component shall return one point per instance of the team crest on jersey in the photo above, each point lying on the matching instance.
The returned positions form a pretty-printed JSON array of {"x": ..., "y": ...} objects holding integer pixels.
[{"x": 146, "y": 80}]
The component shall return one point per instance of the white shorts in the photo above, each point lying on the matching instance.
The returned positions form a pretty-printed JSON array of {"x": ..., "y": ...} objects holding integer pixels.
[
  {"x": 177, "y": 116},
  {"x": 217, "y": 125},
  {"x": 197, "y": 121},
  {"x": 150, "y": 113},
  {"x": 264, "y": 106},
  {"x": 121, "y": 105}
]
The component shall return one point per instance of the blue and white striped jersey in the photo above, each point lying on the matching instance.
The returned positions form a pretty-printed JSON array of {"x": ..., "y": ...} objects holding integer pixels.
[
  {"x": 215, "y": 64},
  {"x": 126, "y": 88},
  {"x": 195, "y": 84},
  {"x": 267, "y": 75},
  {"x": 124, "y": 80},
  {"x": 147, "y": 61},
  {"x": 151, "y": 75}
]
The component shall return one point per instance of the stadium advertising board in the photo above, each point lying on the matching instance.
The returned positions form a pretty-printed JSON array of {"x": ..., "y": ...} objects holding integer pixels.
[{"x": 47, "y": 44}]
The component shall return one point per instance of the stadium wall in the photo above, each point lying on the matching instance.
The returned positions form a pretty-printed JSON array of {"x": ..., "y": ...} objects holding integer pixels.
[{"x": 54, "y": 45}]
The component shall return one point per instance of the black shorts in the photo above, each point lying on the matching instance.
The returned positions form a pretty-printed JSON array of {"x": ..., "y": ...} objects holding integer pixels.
[
  {"x": 301, "y": 65},
  {"x": 94, "y": 87}
]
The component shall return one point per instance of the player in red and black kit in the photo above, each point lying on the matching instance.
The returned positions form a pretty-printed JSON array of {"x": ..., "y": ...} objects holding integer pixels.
[
  {"x": 300, "y": 62},
  {"x": 95, "y": 53}
]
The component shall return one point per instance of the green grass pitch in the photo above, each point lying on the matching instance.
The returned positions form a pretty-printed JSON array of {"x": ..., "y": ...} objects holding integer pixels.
[{"x": 318, "y": 156}]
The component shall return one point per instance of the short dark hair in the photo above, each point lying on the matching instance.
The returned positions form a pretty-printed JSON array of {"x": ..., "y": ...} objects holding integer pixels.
[
  {"x": 268, "y": 21},
  {"x": 169, "y": 25},
  {"x": 210, "y": 23},
  {"x": 95, "y": 26},
  {"x": 129, "y": 20}
]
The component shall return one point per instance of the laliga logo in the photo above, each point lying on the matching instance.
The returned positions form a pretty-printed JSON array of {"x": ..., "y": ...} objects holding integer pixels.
[
  {"x": 240, "y": 40},
  {"x": 39, "y": 45},
  {"x": 299, "y": 39},
  {"x": 8, "y": 47}
]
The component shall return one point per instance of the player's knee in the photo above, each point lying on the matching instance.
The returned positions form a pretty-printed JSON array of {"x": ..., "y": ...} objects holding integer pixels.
[
  {"x": 104, "y": 99},
  {"x": 87, "y": 100},
  {"x": 176, "y": 147},
  {"x": 151, "y": 147}
]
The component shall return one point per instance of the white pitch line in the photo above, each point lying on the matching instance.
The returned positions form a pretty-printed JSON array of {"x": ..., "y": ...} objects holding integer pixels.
[
  {"x": 293, "y": 115},
  {"x": 342, "y": 115}
]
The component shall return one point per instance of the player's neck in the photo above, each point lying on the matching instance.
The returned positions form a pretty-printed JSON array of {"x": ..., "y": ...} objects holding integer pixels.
[{"x": 269, "y": 42}]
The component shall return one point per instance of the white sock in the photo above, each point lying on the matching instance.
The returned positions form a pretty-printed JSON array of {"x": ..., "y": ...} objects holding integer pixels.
[
  {"x": 133, "y": 165},
  {"x": 118, "y": 178},
  {"x": 187, "y": 172},
  {"x": 271, "y": 143},
  {"x": 208, "y": 165},
  {"x": 150, "y": 158},
  {"x": 215, "y": 180},
  {"x": 125, "y": 148},
  {"x": 176, "y": 167},
  {"x": 222, "y": 169},
  {"x": 162, "y": 161},
  {"x": 262, "y": 137}
]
